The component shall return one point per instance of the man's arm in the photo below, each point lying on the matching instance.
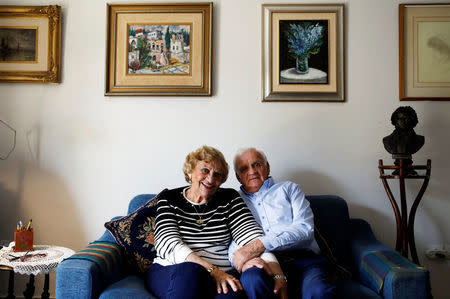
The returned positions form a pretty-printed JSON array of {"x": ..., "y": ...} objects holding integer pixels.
[
  {"x": 246, "y": 253},
  {"x": 297, "y": 234}
]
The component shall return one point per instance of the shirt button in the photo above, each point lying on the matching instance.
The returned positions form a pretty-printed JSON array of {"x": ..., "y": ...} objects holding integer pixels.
[
  {"x": 259, "y": 203},
  {"x": 267, "y": 230},
  {"x": 263, "y": 217}
]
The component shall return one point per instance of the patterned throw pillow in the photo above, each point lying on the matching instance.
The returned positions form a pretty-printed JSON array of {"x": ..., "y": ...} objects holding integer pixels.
[{"x": 136, "y": 234}]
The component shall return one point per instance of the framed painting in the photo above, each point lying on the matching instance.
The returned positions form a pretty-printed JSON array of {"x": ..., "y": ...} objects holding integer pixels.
[
  {"x": 424, "y": 55},
  {"x": 303, "y": 52},
  {"x": 159, "y": 49},
  {"x": 30, "y": 44}
]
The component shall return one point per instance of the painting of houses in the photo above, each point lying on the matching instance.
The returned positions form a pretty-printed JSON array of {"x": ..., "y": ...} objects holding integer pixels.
[{"x": 159, "y": 49}]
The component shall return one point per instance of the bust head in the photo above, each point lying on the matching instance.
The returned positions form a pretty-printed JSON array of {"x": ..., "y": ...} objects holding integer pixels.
[
  {"x": 403, "y": 140},
  {"x": 404, "y": 118}
]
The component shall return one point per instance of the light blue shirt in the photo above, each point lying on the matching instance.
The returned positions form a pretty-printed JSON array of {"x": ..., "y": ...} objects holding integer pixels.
[{"x": 284, "y": 214}]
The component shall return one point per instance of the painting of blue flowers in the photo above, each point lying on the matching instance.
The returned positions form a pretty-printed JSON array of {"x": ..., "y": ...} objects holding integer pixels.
[{"x": 304, "y": 52}]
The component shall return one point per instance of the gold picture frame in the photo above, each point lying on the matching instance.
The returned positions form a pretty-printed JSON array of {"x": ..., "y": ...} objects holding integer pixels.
[
  {"x": 292, "y": 71},
  {"x": 159, "y": 49},
  {"x": 424, "y": 40},
  {"x": 30, "y": 44}
]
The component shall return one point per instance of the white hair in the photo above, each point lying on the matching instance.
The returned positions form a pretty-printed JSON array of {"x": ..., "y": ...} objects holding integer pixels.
[{"x": 242, "y": 151}]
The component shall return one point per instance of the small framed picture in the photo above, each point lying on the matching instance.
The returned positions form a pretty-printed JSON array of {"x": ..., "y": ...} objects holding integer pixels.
[
  {"x": 303, "y": 52},
  {"x": 424, "y": 57},
  {"x": 30, "y": 44},
  {"x": 159, "y": 49}
]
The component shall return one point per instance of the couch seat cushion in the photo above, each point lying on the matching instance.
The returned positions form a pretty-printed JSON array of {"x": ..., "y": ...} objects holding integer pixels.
[
  {"x": 350, "y": 289},
  {"x": 131, "y": 287}
]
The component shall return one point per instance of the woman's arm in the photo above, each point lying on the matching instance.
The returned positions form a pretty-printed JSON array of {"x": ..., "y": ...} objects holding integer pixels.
[{"x": 168, "y": 242}]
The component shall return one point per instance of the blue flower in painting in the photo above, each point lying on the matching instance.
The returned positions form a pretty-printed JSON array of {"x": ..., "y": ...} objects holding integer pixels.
[{"x": 304, "y": 39}]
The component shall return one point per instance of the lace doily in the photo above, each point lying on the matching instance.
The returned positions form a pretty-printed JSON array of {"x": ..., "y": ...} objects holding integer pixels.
[{"x": 42, "y": 260}]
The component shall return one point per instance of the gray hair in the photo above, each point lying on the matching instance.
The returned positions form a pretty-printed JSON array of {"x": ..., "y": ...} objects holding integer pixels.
[{"x": 242, "y": 151}]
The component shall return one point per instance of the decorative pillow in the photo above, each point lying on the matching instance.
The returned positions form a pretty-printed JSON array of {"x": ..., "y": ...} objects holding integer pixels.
[{"x": 136, "y": 234}]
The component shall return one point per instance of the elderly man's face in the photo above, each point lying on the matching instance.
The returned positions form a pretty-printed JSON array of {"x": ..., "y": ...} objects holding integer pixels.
[{"x": 252, "y": 171}]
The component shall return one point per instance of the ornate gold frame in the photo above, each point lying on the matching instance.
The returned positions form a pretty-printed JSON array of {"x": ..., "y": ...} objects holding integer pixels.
[
  {"x": 52, "y": 72},
  {"x": 196, "y": 83}
]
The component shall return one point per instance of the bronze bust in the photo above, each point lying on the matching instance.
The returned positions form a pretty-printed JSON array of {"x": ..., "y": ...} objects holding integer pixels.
[{"x": 403, "y": 142}]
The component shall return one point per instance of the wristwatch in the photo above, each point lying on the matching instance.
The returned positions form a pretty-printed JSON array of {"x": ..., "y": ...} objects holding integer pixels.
[{"x": 278, "y": 276}]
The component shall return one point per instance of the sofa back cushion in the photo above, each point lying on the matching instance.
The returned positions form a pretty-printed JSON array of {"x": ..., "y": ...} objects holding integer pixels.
[{"x": 331, "y": 220}]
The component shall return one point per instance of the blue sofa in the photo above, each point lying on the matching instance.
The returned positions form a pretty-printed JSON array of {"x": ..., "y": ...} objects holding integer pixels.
[{"x": 349, "y": 241}]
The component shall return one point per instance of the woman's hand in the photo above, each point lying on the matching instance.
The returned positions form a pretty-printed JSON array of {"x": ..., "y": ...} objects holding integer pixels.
[{"x": 223, "y": 280}]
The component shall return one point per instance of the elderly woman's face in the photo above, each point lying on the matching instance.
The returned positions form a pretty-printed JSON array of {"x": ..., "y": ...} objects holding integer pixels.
[{"x": 206, "y": 178}]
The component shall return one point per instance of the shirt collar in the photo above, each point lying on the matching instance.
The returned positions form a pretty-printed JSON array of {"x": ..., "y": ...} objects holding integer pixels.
[{"x": 266, "y": 185}]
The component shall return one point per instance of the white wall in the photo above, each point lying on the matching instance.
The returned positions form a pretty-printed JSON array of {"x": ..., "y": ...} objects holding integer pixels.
[{"x": 81, "y": 156}]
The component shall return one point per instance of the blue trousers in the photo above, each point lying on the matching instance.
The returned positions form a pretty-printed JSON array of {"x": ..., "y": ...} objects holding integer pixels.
[
  {"x": 191, "y": 281},
  {"x": 307, "y": 278}
]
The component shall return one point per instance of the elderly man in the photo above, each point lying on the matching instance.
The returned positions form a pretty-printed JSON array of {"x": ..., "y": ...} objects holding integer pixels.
[{"x": 287, "y": 220}]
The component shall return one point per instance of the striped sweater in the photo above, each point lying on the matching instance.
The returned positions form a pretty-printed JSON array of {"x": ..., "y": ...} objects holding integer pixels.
[{"x": 179, "y": 230}]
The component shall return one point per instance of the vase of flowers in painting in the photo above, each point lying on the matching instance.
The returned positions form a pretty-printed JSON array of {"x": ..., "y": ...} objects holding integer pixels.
[
  {"x": 301, "y": 64},
  {"x": 304, "y": 40}
]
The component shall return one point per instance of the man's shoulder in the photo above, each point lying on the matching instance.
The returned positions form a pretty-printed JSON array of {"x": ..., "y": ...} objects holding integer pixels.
[{"x": 286, "y": 184}]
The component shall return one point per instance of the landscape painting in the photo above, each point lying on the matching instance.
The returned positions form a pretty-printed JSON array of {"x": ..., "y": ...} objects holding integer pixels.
[
  {"x": 18, "y": 44},
  {"x": 159, "y": 49},
  {"x": 304, "y": 51}
]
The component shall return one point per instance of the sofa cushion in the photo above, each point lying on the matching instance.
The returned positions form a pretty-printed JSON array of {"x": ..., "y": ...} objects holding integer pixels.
[
  {"x": 350, "y": 289},
  {"x": 331, "y": 219},
  {"x": 135, "y": 233},
  {"x": 131, "y": 287}
]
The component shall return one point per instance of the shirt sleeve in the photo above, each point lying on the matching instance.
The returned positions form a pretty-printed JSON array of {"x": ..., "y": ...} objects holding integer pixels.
[
  {"x": 168, "y": 242},
  {"x": 300, "y": 232}
]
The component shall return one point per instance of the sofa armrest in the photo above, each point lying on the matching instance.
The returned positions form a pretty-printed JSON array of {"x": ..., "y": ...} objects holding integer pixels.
[
  {"x": 382, "y": 269},
  {"x": 83, "y": 278},
  {"x": 362, "y": 240}
]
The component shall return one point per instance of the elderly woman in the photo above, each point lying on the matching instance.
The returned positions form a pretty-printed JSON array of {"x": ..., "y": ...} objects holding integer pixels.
[{"x": 194, "y": 227}]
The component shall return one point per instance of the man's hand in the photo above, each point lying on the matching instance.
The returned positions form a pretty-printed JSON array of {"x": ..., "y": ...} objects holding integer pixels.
[
  {"x": 258, "y": 263},
  {"x": 247, "y": 252},
  {"x": 280, "y": 284},
  {"x": 280, "y": 288}
]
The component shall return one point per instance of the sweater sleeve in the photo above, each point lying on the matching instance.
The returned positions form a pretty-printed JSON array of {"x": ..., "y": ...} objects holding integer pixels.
[
  {"x": 244, "y": 228},
  {"x": 168, "y": 242}
]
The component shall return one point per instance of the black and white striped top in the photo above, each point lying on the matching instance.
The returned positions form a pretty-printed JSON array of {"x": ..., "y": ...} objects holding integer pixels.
[{"x": 178, "y": 233}]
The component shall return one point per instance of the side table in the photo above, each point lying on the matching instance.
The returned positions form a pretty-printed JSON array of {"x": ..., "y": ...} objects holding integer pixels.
[{"x": 42, "y": 260}]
